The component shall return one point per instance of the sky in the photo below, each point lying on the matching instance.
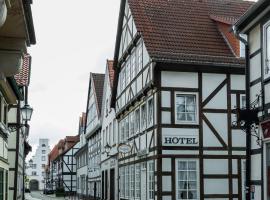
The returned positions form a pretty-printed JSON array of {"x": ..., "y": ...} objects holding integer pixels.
[{"x": 74, "y": 38}]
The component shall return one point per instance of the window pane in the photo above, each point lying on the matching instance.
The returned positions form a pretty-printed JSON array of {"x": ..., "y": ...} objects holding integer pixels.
[
  {"x": 190, "y": 116},
  {"x": 182, "y": 165},
  {"x": 268, "y": 42},
  {"x": 192, "y": 165}
]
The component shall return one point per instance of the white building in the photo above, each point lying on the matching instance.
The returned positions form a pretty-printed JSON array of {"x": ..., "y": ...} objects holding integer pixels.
[
  {"x": 256, "y": 25},
  {"x": 36, "y": 165},
  {"x": 81, "y": 157},
  {"x": 179, "y": 77},
  {"x": 109, "y": 140},
  {"x": 93, "y": 133}
]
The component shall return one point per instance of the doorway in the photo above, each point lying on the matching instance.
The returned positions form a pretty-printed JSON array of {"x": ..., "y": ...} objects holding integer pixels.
[{"x": 112, "y": 175}]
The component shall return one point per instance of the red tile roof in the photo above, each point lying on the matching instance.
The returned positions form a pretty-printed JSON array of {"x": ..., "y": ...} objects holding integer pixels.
[
  {"x": 98, "y": 82},
  {"x": 111, "y": 71},
  {"x": 182, "y": 31},
  {"x": 23, "y": 78}
]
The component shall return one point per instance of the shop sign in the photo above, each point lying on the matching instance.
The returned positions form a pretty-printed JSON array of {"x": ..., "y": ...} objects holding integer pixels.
[
  {"x": 124, "y": 148},
  {"x": 266, "y": 129},
  {"x": 183, "y": 140}
]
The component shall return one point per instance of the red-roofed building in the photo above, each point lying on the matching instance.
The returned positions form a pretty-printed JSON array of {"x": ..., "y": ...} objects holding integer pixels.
[
  {"x": 179, "y": 75},
  {"x": 62, "y": 164}
]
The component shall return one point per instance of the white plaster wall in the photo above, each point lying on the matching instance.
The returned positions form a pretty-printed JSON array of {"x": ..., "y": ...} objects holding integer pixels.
[
  {"x": 238, "y": 82},
  {"x": 218, "y": 186},
  {"x": 255, "y": 39},
  {"x": 166, "y": 99},
  {"x": 267, "y": 93},
  {"x": 215, "y": 166},
  {"x": 179, "y": 79},
  {"x": 255, "y": 67},
  {"x": 256, "y": 167},
  {"x": 210, "y": 83}
]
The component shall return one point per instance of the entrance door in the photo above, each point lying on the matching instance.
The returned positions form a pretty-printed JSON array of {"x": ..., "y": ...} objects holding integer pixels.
[{"x": 112, "y": 175}]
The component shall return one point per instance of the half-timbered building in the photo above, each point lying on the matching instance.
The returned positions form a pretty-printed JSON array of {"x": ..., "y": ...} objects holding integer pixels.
[
  {"x": 256, "y": 25},
  {"x": 81, "y": 157},
  {"x": 179, "y": 77},
  {"x": 65, "y": 165},
  {"x": 93, "y": 133},
  {"x": 109, "y": 168}
]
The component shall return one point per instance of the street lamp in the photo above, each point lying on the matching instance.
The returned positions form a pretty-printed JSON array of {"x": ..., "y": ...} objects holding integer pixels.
[{"x": 26, "y": 112}]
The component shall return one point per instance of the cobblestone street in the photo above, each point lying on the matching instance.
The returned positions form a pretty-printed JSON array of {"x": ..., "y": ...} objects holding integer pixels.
[{"x": 39, "y": 196}]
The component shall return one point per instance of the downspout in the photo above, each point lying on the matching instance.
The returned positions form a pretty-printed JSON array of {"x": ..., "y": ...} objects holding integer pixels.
[{"x": 248, "y": 124}]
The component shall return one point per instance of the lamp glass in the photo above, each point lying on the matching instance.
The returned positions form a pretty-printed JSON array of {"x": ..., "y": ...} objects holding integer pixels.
[{"x": 26, "y": 112}]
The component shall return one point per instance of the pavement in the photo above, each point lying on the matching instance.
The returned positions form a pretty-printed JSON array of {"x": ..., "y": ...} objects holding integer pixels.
[{"x": 38, "y": 195}]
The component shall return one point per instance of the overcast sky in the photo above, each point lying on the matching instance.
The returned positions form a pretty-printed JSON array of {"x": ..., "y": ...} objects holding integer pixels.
[{"x": 74, "y": 38}]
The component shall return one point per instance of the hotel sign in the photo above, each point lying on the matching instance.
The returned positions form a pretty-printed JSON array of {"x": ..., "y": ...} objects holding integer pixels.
[{"x": 180, "y": 140}]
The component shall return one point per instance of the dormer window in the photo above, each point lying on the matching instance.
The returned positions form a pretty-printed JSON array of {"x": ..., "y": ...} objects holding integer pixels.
[{"x": 266, "y": 51}]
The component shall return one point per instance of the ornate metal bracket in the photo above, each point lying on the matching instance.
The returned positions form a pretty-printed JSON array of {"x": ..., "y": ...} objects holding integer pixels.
[{"x": 248, "y": 120}]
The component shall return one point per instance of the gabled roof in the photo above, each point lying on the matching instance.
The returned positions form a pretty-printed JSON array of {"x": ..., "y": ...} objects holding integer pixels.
[
  {"x": 182, "y": 31},
  {"x": 23, "y": 78},
  {"x": 98, "y": 82},
  {"x": 253, "y": 14},
  {"x": 111, "y": 71}
]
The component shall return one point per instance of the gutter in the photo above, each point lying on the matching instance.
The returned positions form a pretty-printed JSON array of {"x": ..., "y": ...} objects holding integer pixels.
[
  {"x": 248, "y": 125},
  {"x": 15, "y": 88}
]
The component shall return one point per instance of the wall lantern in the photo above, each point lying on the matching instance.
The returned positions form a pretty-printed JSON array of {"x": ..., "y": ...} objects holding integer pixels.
[{"x": 26, "y": 111}]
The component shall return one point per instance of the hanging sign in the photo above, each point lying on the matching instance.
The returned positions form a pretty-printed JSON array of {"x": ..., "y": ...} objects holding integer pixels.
[
  {"x": 177, "y": 140},
  {"x": 124, "y": 148},
  {"x": 266, "y": 129}
]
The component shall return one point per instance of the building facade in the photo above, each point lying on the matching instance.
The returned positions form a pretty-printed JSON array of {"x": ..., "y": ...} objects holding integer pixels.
[
  {"x": 256, "y": 25},
  {"x": 81, "y": 157},
  {"x": 14, "y": 59},
  {"x": 176, "y": 88},
  {"x": 65, "y": 165},
  {"x": 109, "y": 140},
  {"x": 93, "y": 134},
  {"x": 35, "y": 170}
]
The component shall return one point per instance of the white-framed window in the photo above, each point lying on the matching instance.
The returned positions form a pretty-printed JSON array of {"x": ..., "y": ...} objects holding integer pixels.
[
  {"x": 186, "y": 108},
  {"x": 243, "y": 179},
  {"x": 187, "y": 179},
  {"x": 242, "y": 101},
  {"x": 139, "y": 57},
  {"x": 122, "y": 182},
  {"x": 123, "y": 79},
  {"x": 128, "y": 71},
  {"x": 138, "y": 180},
  {"x": 151, "y": 180},
  {"x": 150, "y": 115},
  {"x": 110, "y": 133},
  {"x": 137, "y": 120},
  {"x": 122, "y": 130},
  {"x": 133, "y": 64},
  {"x": 132, "y": 123},
  {"x": 132, "y": 181},
  {"x": 127, "y": 181},
  {"x": 43, "y": 158},
  {"x": 143, "y": 116},
  {"x": 126, "y": 127},
  {"x": 266, "y": 51}
]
